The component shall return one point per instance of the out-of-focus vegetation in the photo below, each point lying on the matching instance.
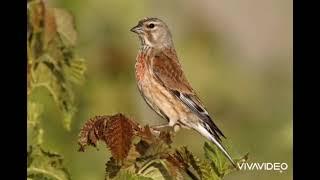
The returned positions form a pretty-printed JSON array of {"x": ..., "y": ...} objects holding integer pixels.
[
  {"x": 52, "y": 68},
  {"x": 236, "y": 54}
]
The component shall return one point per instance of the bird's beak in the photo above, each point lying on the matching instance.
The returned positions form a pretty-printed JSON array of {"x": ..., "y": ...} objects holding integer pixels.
[{"x": 137, "y": 29}]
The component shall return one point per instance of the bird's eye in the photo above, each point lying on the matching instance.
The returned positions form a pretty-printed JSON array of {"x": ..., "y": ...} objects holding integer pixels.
[{"x": 151, "y": 25}]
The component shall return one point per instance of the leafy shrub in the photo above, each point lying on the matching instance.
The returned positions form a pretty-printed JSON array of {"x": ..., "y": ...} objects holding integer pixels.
[
  {"x": 52, "y": 65},
  {"x": 146, "y": 153}
]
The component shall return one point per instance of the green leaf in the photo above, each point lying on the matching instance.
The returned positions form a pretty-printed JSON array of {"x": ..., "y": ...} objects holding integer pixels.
[
  {"x": 156, "y": 149},
  {"x": 155, "y": 169},
  {"x": 125, "y": 175},
  {"x": 45, "y": 165},
  {"x": 34, "y": 112},
  {"x": 49, "y": 75},
  {"x": 112, "y": 168},
  {"x": 76, "y": 70},
  {"x": 218, "y": 161},
  {"x": 131, "y": 159},
  {"x": 66, "y": 26},
  {"x": 33, "y": 118},
  {"x": 202, "y": 168}
]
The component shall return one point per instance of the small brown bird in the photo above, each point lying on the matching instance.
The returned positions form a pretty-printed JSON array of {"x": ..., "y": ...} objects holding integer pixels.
[{"x": 164, "y": 86}]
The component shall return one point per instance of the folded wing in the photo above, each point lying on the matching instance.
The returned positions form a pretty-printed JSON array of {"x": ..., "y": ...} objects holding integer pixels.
[{"x": 168, "y": 72}]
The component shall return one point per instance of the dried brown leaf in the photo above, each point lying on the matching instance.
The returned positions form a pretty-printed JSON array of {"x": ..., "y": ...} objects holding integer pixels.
[
  {"x": 50, "y": 27},
  {"x": 116, "y": 131},
  {"x": 37, "y": 10},
  {"x": 118, "y": 136},
  {"x": 92, "y": 131}
]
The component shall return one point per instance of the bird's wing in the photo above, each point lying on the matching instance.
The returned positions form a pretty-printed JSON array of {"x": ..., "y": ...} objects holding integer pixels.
[{"x": 168, "y": 72}]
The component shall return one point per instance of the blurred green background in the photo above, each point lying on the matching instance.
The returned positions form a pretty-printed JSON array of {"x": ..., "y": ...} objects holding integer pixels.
[{"x": 236, "y": 54}]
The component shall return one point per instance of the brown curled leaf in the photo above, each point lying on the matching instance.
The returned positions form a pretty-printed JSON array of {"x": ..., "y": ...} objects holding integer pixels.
[
  {"x": 116, "y": 131},
  {"x": 118, "y": 136},
  {"x": 92, "y": 131}
]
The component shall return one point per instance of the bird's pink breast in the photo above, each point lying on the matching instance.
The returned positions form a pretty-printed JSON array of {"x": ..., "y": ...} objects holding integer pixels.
[{"x": 140, "y": 67}]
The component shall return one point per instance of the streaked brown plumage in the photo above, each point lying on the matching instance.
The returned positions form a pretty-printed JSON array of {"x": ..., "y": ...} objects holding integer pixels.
[{"x": 164, "y": 86}]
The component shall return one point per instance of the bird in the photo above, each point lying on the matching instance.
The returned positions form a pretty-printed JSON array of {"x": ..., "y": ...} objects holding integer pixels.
[{"x": 164, "y": 86}]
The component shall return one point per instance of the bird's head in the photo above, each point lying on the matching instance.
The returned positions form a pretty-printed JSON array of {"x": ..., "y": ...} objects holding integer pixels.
[{"x": 153, "y": 32}]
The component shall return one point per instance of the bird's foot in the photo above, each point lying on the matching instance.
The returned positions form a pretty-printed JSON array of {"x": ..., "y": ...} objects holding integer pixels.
[
  {"x": 166, "y": 128},
  {"x": 162, "y": 127}
]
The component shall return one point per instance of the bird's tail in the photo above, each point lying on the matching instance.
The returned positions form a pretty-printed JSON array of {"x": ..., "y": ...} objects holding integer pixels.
[{"x": 204, "y": 132}]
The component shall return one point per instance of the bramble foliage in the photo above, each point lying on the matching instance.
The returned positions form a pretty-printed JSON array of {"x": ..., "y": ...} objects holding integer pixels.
[
  {"x": 219, "y": 164},
  {"x": 146, "y": 153},
  {"x": 45, "y": 165},
  {"x": 52, "y": 65}
]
